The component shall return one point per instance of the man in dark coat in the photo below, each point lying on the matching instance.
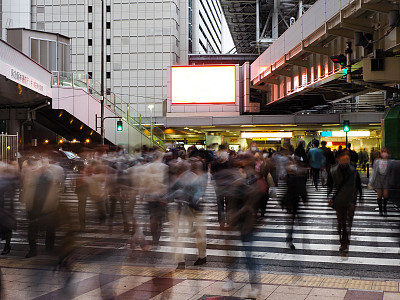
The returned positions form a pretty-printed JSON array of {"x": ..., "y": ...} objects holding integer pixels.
[{"x": 345, "y": 178}]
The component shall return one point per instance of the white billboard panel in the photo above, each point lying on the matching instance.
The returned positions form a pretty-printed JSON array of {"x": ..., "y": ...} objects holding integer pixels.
[{"x": 203, "y": 84}]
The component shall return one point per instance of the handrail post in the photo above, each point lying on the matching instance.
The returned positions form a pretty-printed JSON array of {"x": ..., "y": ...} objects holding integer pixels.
[{"x": 87, "y": 83}]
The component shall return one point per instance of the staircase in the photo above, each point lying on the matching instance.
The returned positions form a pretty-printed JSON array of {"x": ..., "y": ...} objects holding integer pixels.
[{"x": 80, "y": 96}]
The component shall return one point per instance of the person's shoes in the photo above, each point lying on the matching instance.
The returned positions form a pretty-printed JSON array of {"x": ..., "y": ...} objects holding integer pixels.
[
  {"x": 181, "y": 266},
  {"x": 221, "y": 226},
  {"x": 343, "y": 248},
  {"x": 200, "y": 261},
  {"x": 254, "y": 292},
  {"x": 6, "y": 250},
  {"x": 291, "y": 246},
  {"x": 228, "y": 286},
  {"x": 31, "y": 253}
]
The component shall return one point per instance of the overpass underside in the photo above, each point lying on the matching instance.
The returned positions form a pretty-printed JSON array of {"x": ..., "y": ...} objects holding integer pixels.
[{"x": 296, "y": 72}]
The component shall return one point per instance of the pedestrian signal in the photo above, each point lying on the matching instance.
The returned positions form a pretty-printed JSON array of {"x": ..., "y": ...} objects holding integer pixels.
[
  {"x": 346, "y": 126},
  {"x": 119, "y": 126},
  {"x": 339, "y": 59}
]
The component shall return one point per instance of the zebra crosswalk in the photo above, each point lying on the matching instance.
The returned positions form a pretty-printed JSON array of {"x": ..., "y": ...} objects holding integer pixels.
[{"x": 374, "y": 245}]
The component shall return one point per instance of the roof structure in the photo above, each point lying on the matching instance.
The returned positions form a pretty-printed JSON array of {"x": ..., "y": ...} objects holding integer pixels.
[{"x": 252, "y": 32}]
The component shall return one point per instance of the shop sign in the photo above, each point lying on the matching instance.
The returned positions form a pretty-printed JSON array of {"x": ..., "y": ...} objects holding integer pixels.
[{"x": 25, "y": 80}]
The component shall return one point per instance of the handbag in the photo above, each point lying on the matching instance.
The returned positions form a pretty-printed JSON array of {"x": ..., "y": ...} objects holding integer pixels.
[{"x": 7, "y": 220}]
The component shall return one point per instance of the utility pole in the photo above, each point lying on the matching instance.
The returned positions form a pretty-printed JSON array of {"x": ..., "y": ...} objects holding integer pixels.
[{"x": 102, "y": 74}]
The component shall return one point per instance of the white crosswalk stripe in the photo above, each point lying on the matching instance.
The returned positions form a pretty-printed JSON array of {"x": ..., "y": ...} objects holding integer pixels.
[{"x": 374, "y": 239}]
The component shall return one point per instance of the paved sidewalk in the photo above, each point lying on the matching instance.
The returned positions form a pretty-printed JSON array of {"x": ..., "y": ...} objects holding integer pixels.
[{"x": 36, "y": 279}]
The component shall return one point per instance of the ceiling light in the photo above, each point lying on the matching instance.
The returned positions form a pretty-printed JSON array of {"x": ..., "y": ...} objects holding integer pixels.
[{"x": 250, "y": 135}]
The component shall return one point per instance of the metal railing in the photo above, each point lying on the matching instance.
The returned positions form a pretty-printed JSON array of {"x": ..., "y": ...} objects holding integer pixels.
[
  {"x": 8, "y": 148},
  {"x": 334, "y": 108},
  {"x": 113, "y": 102}
]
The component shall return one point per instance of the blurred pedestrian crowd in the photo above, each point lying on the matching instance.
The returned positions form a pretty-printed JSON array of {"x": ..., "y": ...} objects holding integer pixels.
[{"x": 171, "y": 186}]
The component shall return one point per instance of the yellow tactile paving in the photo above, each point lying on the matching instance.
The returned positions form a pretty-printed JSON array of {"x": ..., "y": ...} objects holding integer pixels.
[
  {"x": 240, "y": 277},
  {"x": 216, "y": 275},
  {"x": 311, "y": 281},
  {"x": 334, "y": 283},
  {"x": 386, "y": 286},
  {"x": 285, "y": 279},
  {"x": 267, "y": 278},
  {"x": 359, "y": 284}
]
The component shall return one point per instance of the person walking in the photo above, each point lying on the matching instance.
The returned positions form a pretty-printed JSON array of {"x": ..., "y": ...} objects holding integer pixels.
[
  {"x": 329, "y": 161},
  {"x": 296, "y": 180},
  {"x": 317, "y": 162},
  {"x": 345, "y": 179},
  {"x": 379, "y": 180},
  {"x": 219, "y": 167},
  {"x": 353, "y": 155},
  {"x": 363, "y": 158}
]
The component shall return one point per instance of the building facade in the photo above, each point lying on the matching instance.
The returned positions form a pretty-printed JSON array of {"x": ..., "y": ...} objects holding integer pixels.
[
  {"x": 205, "y": 26},
  {"x": 142, "y": 39},
  {"x": 14, "y": 14}
]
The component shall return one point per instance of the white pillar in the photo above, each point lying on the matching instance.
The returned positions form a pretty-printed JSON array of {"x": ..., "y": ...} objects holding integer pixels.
[{"x": 275, "y": 20}]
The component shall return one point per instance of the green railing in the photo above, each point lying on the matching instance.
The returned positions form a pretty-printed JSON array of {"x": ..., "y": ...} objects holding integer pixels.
[{"x": 113, "y": 102}]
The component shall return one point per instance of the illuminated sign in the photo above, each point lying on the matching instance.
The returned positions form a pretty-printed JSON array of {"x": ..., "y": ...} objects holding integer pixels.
[
  {"x": 267, "y": 139},
  {"x": 203, "y": 84},
  {"x": 343, "y": 134},
  {"x": 252, "y": 135}
]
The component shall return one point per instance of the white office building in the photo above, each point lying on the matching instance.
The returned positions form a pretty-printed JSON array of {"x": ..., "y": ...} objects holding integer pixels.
[
  {"x": 205, "y": 26},
  {"x": 14, "y": 14},
  {"x": 142, "y": 39}
]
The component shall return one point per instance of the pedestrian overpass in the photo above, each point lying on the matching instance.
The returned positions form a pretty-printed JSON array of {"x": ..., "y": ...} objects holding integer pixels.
[
  {"x": 296, "y": 73},
  {"x": 65, "y": 103}
]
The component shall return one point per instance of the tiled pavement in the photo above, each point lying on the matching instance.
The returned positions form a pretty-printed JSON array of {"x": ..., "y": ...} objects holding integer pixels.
[{"x": 33, "y": 281}]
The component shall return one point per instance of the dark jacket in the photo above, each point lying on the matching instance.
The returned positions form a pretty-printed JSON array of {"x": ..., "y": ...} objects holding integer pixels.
[{"x": 347, "y": 184}]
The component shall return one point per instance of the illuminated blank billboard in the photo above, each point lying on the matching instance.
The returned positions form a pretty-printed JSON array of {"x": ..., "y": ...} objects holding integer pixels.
[{"x": 203, "y": 84}]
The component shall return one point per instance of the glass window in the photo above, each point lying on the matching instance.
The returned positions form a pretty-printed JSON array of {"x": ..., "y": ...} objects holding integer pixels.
[
  {"x": 108, "y": 8},
  {"x": 90, "y": 42},
  {"x": 90, "y": 9},
  {"x": 108, "y": 25},
  {"x": 44, "y": 54},
  {"x": 108, "y": 42},
  {"x": 90, "y": 58},
  {"x": 90, "y": 74},
  {"x": 108, "y": 58},
  {"x": 35, "y": 50},
  {"x": 90, "y": 25},
  {"x": 52, "y": 56},
  {"x": 108, "y": 75}
]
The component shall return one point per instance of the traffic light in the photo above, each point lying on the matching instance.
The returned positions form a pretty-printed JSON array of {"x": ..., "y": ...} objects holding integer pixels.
[
  {"x": 119, "y": 126},
  {"x": 346, "y": 126},
  {"x": 339, "y": 59}
]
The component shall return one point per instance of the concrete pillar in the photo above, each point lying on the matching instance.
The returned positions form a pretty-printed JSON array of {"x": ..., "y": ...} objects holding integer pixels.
[{"x": 13, "y": 125}]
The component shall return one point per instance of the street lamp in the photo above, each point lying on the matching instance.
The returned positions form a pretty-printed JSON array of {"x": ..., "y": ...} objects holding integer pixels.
[{"x": 151, "y": 106}]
